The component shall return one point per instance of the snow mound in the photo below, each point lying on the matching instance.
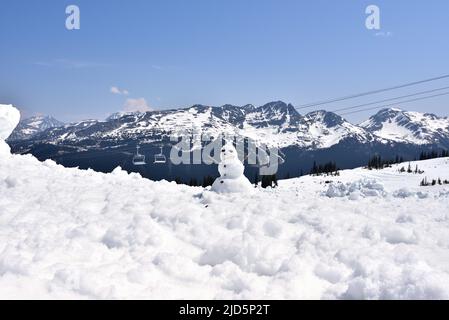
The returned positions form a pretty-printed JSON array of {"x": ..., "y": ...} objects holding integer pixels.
[
  {"x": 9, "y": 119},
  {"x": 4, "y": 148},
  {"x": 407, "y": 193},
  {"x": 71, "y": 234},
  {"x": 354, "y": 190}
]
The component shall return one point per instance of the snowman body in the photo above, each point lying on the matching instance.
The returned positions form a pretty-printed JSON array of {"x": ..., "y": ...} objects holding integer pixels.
[{"x": 231, "y": 170}]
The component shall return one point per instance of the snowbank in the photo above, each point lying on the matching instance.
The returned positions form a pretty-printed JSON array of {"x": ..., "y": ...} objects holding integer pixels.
[
  {"x": 9, "y": 119},
  {"x": 355, "y": 190},
  {"x": 4, "y": 149},
  {"x": 67, "y": 233}
]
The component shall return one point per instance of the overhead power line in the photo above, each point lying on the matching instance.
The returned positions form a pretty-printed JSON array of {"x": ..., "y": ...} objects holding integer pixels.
[
  {"x": 397, "y": 103},
  {"x": 315, "y": 104}
]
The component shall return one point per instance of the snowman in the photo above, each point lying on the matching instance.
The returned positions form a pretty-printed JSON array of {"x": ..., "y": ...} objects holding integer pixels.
[{"x": 231, "y": 169}]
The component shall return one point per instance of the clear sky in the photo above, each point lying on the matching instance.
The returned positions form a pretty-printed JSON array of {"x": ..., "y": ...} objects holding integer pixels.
[{"x": 176, "y": 53}]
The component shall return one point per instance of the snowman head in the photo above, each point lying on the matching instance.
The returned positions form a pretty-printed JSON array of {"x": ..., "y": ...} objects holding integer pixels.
[{"x": 228, "y": 153}]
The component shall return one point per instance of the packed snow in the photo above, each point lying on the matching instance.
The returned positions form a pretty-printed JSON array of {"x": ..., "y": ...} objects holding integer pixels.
[{"x": 67, "y": 234}]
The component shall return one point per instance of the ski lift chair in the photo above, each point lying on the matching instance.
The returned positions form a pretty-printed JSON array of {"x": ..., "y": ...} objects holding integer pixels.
[
  {"x": 160, "y": 158},
  {"x": 139, "y": 159}
]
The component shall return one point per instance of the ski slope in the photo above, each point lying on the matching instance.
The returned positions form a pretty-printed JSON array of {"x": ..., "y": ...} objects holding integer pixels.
[{"x": 72, "y": 234}]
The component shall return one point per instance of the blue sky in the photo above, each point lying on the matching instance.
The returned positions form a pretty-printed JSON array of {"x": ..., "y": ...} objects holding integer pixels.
[{"x": 176, "y": 53}]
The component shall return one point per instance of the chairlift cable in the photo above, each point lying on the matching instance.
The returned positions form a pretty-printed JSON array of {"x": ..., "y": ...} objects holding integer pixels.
[
  {"x": 391, "y": 99},
  {"x": 363, "y": 94},
  {"x": 396, "y": 104}
]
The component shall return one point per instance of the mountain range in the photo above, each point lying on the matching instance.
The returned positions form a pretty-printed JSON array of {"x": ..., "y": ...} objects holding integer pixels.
[
  {"x": 315, "y": 136},
  {"x": 30, "y": 127}
]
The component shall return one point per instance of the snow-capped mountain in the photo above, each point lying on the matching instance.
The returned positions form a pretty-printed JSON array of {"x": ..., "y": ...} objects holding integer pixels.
[
  {"x": 274, "y": 124},
  {"x": 326, "y": 129},
  {"x": 409, "y": 127},
  {"x": 118, "y": 115},
  {"x": 28, "y": 128}
]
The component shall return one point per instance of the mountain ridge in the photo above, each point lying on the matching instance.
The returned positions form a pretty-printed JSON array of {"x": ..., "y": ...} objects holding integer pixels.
[
  {"x": 275, "y": 124},
  {"x": 29, "y": 127},
  {"x": 408, "y": 126}
]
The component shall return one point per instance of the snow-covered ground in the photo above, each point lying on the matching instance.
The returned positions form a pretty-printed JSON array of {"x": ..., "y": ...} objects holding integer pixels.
[{"x": 67, "y": 233}]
